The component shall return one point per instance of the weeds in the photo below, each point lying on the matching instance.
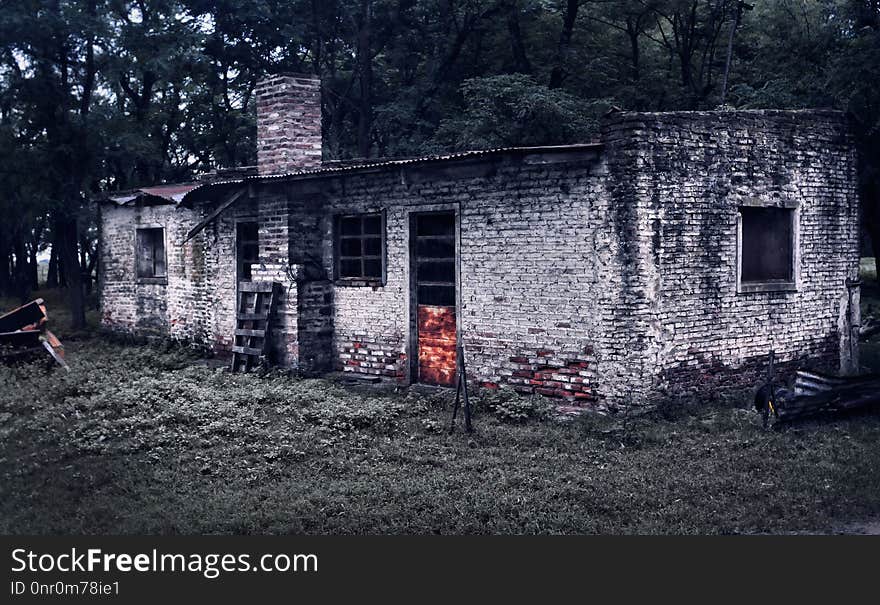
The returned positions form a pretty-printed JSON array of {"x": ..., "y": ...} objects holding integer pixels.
[
  {"x": 510, "y": 407},
  {"x": 147, "y": 440}
]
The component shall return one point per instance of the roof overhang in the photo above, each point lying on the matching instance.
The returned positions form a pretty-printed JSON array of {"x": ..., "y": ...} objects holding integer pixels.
[
  {"x": 463, "y": 164},
  {"x": 448, "y": 164},
  {"x": 161, "y": 194}
]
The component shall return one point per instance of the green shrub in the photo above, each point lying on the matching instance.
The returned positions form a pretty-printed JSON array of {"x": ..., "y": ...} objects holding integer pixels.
[{"x": 511, "y": 407}]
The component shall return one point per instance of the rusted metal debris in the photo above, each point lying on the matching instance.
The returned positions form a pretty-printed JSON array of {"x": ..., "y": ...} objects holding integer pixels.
[
  {"x": 813, "y": 394},
  {"x": 24, "y": 331}
]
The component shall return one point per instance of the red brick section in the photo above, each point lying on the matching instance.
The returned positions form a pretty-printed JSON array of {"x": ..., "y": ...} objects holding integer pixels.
[
  {"x": 437, "y": 345},
  {"x": 372, "y": 358},
  {"x": 569, "y": 380},
  {"x": 288, "y": 123}
]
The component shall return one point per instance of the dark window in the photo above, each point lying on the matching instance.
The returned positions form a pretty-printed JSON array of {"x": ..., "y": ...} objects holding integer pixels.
[
  {"x": 767, "y": 253},
  {"x": 247, "y": 243},
  {"x": 435, "y": 259},
  {"x": 360, "y": 247},
  {"x": 151, "y": 252}
]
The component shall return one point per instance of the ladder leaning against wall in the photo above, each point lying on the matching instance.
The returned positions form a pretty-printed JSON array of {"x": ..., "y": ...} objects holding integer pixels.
[{"x": 256, "y": 308}]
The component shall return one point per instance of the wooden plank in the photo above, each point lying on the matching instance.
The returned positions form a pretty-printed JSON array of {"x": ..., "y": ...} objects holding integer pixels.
[
  {"x": 26, "y": 315},
  {"x": 13, "y": 353},
  {"x": 253, "y": 296},
  {"x": 245, "y": 332},
  {"x": 255, "y": 286},
  {"x": 21, "y": 339},
  {"x": 253, "y": 317},
  {"x": 55, "y": 355},
  {"x": 217, "y": 212},
  {"x": 247, "y": 351},
  {"x": 145, "y": 256},
  {"x": 817, "y": 378}
]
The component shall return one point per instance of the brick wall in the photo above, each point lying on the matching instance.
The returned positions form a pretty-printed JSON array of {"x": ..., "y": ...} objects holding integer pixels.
[
  {"x": 530, "y": 237},
  {"x": 604, "y": 279},
  {"x": 197, "y": 300},
  {"x": 685, "y": 175},
  {"x": 152, "y": 307}
]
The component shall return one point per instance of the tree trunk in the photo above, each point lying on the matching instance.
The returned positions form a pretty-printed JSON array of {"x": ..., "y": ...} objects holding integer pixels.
[
  {"x": 632, "y": 33},
  {"x": 52, "y": 275},
  {"x": 21, "y": 276},
  {"x": 85, "y": 262},
  {"x": 92, "y": 269},
  {"x": 5, "y": 273},
  {"x": 727, "y": 61},
  {"x": 33, "y": 267},
  {"x": 517, "y": 46},
  {"x": 365, "y": 79},
  {"x": 557, "y": 74},
  {"x": 66, "y": 230}
]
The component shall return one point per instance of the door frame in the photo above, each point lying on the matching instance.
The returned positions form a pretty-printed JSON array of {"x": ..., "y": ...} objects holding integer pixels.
[{"x": 412, "y": 353}]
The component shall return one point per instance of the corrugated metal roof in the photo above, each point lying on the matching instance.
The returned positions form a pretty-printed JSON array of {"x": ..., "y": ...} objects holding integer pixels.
[
  {"x": 168, "y": 193},
  {"x": 177, "y": 194},
  {"x": 368, "y": 166}
]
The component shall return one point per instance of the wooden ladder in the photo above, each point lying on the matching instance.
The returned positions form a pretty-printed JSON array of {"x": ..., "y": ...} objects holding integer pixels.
[{"x": 256, "y": 306}]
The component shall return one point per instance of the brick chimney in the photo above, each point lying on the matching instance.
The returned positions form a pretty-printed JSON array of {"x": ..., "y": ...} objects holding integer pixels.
[{"x": 288, "y": 123}]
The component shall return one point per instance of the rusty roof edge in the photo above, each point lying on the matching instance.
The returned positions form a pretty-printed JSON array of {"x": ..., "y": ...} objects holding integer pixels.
[
  {"x": 366, "y": 167},
  {"x": 125, "y": 197}
]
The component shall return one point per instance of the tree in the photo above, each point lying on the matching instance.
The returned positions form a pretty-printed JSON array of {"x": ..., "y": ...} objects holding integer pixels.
[
  {"x": 514, "y": 110},
  {"x": 102, "y": 95}
]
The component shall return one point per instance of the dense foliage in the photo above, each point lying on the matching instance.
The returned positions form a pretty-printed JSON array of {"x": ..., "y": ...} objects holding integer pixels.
[{"x": 100, "y": 95}]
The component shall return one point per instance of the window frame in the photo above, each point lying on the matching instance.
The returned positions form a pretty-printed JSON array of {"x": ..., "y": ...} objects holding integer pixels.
[
  {"x": 789, "y": 285},
  {"x": 239, "y": 268},
  {"x": 153, "y": 278},
  {"x": 338, "y": 278}
]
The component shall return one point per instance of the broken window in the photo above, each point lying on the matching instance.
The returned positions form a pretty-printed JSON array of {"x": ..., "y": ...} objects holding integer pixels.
[
  {"x": 151, "y": 252},
  {"x": 360, "y": 247},
  {"x": 767, "y": 245},
  {"x": 247, "y": 243}
]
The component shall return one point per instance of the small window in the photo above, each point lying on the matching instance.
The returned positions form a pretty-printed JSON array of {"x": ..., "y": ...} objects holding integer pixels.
[
  {"x": 151, "y": 253},
  {"x": 767, "y": 248},
  {"x": 247, "y": 244},
  {"x": 360, "y": 247}
]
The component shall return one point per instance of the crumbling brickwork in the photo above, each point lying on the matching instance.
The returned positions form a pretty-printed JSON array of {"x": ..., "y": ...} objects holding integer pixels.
[
  {"x": 196, "y": 301},
  {"x": 157, "y": 306},
  {"x": 695, "y": 170},
  {"x": 597, "y": 275}
]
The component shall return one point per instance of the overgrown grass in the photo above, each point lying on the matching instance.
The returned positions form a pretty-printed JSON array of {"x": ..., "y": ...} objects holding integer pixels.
[
  {"x": 151, "y": 440},
  {"x": 141, "y": 440}
]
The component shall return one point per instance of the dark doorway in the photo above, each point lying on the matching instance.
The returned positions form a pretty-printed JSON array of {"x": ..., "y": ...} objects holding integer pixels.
[
  {"x": 247, "y": 249},
  {"x": 433, "y": 254}
]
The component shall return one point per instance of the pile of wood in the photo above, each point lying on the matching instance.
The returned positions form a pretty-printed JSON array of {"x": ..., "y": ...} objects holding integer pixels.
[
  {"x": 813, "y": 394},
  {"x": 23, "y": 332}
]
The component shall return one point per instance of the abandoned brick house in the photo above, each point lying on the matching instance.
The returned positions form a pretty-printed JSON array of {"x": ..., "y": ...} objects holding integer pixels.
[{"x": 672, "y": 255}]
